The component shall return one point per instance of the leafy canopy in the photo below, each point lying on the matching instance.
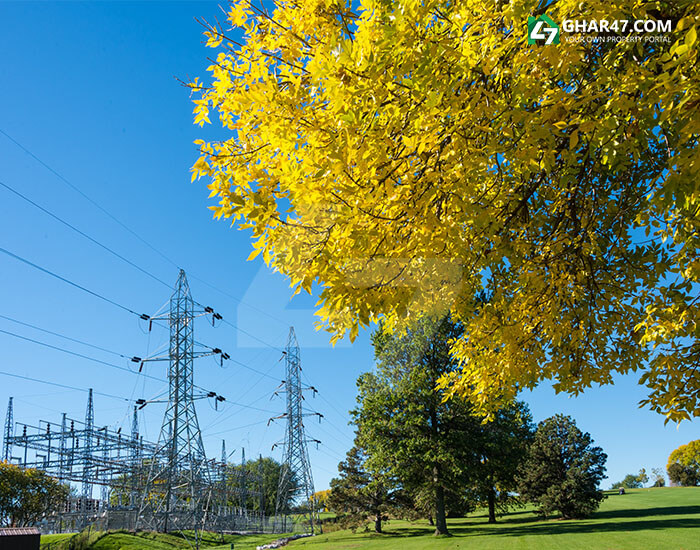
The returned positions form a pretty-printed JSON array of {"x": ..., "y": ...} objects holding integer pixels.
[
  {"x": 632, "y": 481},
  {"x": 408, "y": 430},
  {"x": 563, "y": 470},
  {"x": 360, "y": 492},
  {"x": 684, "y": 464},
  {"x": 413, "y": 156},
  {"x": 26, "y": 495}
]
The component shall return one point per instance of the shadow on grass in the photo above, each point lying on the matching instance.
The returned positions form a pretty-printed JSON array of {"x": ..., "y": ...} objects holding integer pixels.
[
  {"x": 528, "y": 524},
  {"x": 666, "y": 511},
  {"x": 578, "y": 527},
  {"x": 531, "y": 517}
]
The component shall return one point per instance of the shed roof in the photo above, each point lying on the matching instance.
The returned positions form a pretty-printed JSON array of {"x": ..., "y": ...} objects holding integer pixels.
[{"x": 13, "y": 531}]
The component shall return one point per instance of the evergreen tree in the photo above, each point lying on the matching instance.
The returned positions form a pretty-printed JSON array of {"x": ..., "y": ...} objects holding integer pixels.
[
  {"x": 359, "y": 492},
  {"x": 563, "y": 470},
  {"x": 406, "y": 427}
]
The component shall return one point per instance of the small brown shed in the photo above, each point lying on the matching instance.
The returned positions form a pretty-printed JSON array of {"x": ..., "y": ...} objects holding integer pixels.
[{"x": 19, "y": 538}]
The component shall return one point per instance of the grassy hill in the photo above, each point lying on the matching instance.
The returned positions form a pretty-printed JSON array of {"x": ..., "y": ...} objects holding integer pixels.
[
  {"x": 643, "y": 519},
  {"x": 121, "y": 540}
]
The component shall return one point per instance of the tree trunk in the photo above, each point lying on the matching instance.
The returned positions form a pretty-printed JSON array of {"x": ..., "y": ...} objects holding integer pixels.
[
  {"x": 378, "y": 523},
  {"x": 492, "y": 505},
  {"x": 440, "y": 520},
  {"x": 430, "y": 520}
]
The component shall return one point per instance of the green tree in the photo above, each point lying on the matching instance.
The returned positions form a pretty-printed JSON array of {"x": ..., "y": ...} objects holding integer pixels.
[
  {"x": 632, "y": 481},
  {"x": 359, "y": 493},
  {"x": 502, "y": 446},
  {"x": 409, "y": 155},
  {"x": 245, "y": 482},
  {"x": 682, "y": 475},
  {"x": 27, "y": 495},
  {"x": 659, "y": 477},
  {"x": 406, "y": 427},
  {"x": 563, "y": 470},
  {"x": 684, "y": 464}
]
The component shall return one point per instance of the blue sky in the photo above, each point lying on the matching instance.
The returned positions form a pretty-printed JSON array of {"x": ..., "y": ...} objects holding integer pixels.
[{"x": 90, "y": 89}]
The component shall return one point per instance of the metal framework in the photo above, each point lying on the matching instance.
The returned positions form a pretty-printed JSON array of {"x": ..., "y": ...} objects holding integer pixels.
[
  {"x": 79, "y": 452},
  {"x": 296, "y": 484},
  {"x": 178, "y": 492},
  {"x": 170, "y": 484},
  {"x": 7, "y": 434}
]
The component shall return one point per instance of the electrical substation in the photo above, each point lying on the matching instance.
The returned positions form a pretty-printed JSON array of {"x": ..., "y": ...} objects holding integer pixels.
[{"x": 121, "y": 480}]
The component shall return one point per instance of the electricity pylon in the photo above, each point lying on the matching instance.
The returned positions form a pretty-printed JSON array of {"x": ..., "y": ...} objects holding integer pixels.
[
  {"x": 177, "y": 494},
  {"x": 296, "y": 484},
  {"x": 8, "y": 433},
  {"x": 87, "y": 449}
]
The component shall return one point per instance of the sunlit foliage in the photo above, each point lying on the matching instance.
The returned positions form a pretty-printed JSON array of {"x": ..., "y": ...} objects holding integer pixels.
[{"x": 416, "y": 157}]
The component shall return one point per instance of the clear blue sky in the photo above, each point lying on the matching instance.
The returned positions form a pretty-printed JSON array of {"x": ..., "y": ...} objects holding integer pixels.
[{"x": 90, "y": 89}]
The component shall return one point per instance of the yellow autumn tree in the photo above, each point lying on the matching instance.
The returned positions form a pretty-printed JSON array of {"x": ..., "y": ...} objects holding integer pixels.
[{"x": 420, "y": 158}]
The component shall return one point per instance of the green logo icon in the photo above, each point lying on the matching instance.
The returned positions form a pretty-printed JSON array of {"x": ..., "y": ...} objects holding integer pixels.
[{"x": 542, "y": 29}]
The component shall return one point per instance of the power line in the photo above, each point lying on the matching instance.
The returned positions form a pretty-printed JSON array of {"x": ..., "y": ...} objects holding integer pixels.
[
  {"x": 239, "y": 301},
  {"x": 56, "y": 384},
  {"x": 261, "y": 373},
  {"x": 76, "y": 285},
  {"x": 64, "y": 337},
  {"x": 226, "y": 321},
  {"x": 76, "y": 354},
  {"x": 88, "y": 237},
  {"x": 343, "y": 415},
  {"x": 127, "y": 228},
  {"x": 86, "y": 197},
  {"x": 226, "y": 417},
  {"x": 237, "y": 428},
  {"x": 100, "y": 361}
]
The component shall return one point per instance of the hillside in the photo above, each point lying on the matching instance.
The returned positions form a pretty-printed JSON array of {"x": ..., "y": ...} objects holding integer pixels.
[{"x": 649, "y": 519}]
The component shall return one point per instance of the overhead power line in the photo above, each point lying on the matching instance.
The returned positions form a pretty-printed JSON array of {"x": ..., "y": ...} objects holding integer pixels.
[
  {"x": 226, "y": 321},
  {"x": 56, "y": 384},
  {"x": 76, "y": 285},
  {"x": 87, "y": 198},
  {"x": 126, "y": 228},
  {"x": 207, "y": 392},
  {"x": 76, "y": 354},
  {"x": 88, "y": 237},
  {"x": 63, "y": 336}
]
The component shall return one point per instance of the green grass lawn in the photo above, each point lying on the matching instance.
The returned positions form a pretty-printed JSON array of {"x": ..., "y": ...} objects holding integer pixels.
[
  {"x": 161, "y": 541},
  {"x": 643, "y": 519},
  {"x": 46, "y": 539}
]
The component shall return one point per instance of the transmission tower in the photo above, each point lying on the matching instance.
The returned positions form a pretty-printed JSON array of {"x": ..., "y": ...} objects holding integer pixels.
[
  {"x": 296, "y": 485},
  {"x": 244, "y": 483},
  {"x": 178, "y": 490},
  {"x": 7, "y": 434},
  {"x": 87, "y": 448}
]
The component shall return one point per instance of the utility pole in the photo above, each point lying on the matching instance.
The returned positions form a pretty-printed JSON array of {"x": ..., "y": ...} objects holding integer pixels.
[{"x": 296, "y": 484}]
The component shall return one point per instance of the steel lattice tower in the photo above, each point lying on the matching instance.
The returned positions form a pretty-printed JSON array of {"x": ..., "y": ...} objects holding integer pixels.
[
  {"x": 296, "y": 485},
  {"x": 8, "y": 433},
  {"x": 178, "y": 489},
  {"x": 87, "y": 449}
]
